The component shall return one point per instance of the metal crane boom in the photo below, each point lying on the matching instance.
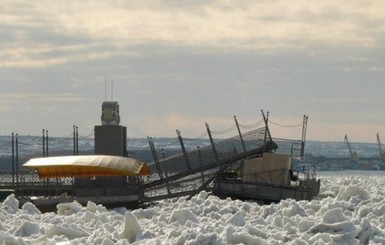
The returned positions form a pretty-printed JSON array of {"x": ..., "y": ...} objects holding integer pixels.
[
  {"x": 381, "y": 153},
  {"x": 353, "y": 155}
]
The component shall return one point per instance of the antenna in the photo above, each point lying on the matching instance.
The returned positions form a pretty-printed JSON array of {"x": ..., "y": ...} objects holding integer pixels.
[
  {"x": 105, "y": 88},
  {"x": 112, "y": 90}
]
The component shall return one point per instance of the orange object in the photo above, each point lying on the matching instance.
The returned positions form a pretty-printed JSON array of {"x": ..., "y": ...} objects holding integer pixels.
[{"x": 87, "y": 165}]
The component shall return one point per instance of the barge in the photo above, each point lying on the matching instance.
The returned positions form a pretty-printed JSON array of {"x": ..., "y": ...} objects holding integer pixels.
[{"x": 268, "y": 178}]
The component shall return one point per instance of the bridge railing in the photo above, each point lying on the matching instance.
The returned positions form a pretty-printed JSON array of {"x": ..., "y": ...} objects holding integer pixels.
[
  {"x": 188, "y": 172},
  {"x": 293, "y": 148}
]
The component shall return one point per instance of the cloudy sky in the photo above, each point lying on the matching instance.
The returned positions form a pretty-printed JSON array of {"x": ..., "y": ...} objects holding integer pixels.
[{"x": 178, "y": 64}]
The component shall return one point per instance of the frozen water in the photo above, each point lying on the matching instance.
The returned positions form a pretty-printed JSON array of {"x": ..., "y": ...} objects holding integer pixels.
[{"x": 349, "y": 210}]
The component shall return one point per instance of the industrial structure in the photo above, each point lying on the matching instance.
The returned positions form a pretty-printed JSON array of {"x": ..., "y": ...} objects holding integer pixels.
[
  {"x": 111, "y": 140},
  {"x": 353, "y": 154},
  {"x": 107, "y": 177},
  {"x": 355, "y": 159},
  {"x": 381, "y": 154},
  {"x": 249, "y": 165}
]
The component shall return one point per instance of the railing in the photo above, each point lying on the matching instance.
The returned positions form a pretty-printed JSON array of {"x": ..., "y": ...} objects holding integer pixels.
[
  {"x": 193, "y": 170},
  {"x": 293, "y": 148},
  {"x": 30, "y": 178}
]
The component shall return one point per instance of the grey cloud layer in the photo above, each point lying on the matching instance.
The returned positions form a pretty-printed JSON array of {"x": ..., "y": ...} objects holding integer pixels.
[{"x": 173, "y": 60}]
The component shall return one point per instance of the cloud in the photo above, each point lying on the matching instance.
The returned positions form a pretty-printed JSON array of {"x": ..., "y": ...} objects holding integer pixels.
[
  {"x": 12, "y": 97},
  {"x": 214, "y": 25},
  {"x": 27, "y": 103},
  {"x": 189, "y": 126},
  {"x": 178, "y": 64},
  {"x": 112, "y": 36}
]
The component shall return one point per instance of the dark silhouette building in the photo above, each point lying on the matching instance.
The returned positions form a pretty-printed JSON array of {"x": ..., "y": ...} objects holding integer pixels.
[{"x": 110, "y": 137}]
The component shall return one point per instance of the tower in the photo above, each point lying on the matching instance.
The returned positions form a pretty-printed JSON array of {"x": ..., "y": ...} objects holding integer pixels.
[
  {"x": 110, "y": 137},
  {"x": 110, "y": 113}
]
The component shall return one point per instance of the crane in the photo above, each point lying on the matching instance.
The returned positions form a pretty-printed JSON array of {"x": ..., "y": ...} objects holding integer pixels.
[
  {"x": 381, "y": 153},
  {"x": 353, "y": 154}
]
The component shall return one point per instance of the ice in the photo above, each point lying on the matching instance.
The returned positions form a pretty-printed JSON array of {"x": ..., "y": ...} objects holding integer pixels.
[
  {"x": 69, "y": 208},
  {"x": 131, "y": 229},
  {"x": 182, "y": 216},
  {"x": 11, "y": 204},
  {"x": 64, "y": 231},
  {"x": 26, "y": 229},
  {"x": 351, "y": 191},
  {"x": 30, "y": 208},
  {"x": 349, "y": 210},
  {"x": 238, "y": 219},
  {"x": 333, "y": 216}
]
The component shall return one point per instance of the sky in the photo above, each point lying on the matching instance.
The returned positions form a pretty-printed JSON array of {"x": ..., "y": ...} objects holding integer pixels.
[{"x": 179, "y": 64}]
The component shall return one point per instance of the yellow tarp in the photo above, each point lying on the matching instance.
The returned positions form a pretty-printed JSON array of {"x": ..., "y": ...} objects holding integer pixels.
[{"x": 89, "y": 165}]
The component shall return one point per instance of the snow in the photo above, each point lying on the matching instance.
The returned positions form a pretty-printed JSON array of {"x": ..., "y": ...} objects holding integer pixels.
[{"x": 349, "y": 210}]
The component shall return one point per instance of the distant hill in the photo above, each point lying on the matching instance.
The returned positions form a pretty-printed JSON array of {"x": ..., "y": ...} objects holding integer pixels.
[{"x": 31, "y": 146}]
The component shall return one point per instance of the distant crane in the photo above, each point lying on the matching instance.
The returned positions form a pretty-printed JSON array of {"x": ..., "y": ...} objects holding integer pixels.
[
  {"x": 353, "y": 154},
  {"x": 381, "y": 153}
]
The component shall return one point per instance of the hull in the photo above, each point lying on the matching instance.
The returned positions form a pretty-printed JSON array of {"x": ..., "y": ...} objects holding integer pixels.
[{"x": 305, "y": 190}]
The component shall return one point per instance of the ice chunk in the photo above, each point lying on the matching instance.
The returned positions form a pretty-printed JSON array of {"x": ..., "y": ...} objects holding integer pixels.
[
  {"x": 351, "y": 191},
  {"x": 131, "y": 229},
  {"x": 42, "y": 240},
  {"x": 293, "y": 210},
  {"x": 145, "y": 213},
  {"x": 368, "y": 232},
  {"x": 290, "y": 229},
  {"x": 70, "y": 233},
  {"x": 8, "y": 239},
  {"x": 204, "y": 239},
  {"x": 343, "y": 231},
  {"x": 30, "y": 208},
  {"x": 69, "y": 208},
  {"x": 200, "y": 198},
  {"x": 298, "y": 242},
  {"x": 323, "y": 238},
  {"x": 182, "y": 215},
  {"x": 277, "y": 221},
  {"x": 107, "y": 241},
  {"x": 26, "y": 229},
  {"x": 238, "y": 219},
  {"x": 257, "y": 232},
  {"x": 89, "y": 216},
  {"x": 233, "y": 237},
  {"x": 305, "y": 224},
  {"x": 12, "y": 203},
  {"x": 333, "y": 216},
  {"x": 92, "y": 207}
]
